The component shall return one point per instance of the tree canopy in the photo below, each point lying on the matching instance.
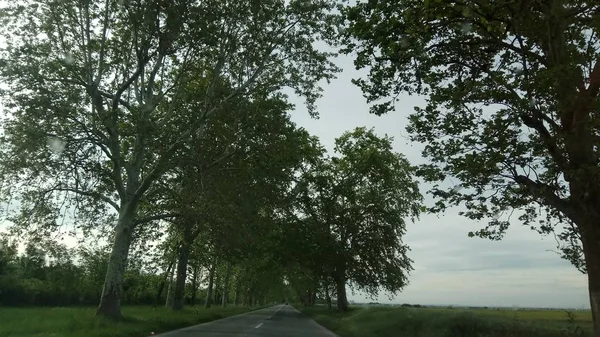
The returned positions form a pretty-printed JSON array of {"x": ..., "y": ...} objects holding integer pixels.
[
  {"x": 353, "y": 206},
  {"x": 512, "y": 105},
  {"x": 106, "y": 85}
]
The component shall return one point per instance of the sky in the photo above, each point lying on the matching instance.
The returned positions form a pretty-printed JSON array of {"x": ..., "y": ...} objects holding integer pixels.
[{"x": 451, "y": 268}]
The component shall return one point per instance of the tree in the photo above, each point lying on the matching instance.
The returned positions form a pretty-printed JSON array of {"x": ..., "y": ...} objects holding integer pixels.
[
  {"x": 242, "y": 165},
  {"x": 101, "y": 83},
  {"x": 8, "y": 255},
  {"x": 511, "y": 112},
  {"x": 355, "y": 205}
]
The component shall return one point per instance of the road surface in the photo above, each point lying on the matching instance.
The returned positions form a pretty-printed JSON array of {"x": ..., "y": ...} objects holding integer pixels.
[{"x": 277, "y": 321}]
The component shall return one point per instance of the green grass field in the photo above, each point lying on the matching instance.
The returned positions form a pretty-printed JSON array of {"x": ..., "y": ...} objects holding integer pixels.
[
  {"x": 433, "y": 322},
  {"x": 77, "y": 322}
]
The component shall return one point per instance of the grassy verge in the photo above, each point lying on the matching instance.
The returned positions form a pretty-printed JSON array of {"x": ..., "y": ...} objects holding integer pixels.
[
  {"x": 138, "y": 321},
  {"x": 429, "y": 322}
]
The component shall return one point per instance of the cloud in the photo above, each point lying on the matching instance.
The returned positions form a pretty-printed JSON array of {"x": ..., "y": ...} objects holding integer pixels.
[{"x": 451, "y": 268}]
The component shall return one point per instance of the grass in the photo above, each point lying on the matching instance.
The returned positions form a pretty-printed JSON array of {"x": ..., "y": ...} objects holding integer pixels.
[
  {"x": 433, "y": 322},
  {"x": 138, "y": 321}
]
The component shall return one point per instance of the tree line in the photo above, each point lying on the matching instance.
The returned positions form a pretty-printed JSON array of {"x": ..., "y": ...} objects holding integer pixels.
[
  {"x": 166, "y": 120},
  {"x": 49, "y": 273}
]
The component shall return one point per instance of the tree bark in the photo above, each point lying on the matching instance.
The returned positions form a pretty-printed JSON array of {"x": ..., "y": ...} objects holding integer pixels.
[
  {"x": 342, "y": 299},
  {"x": 161, "y": 286},
  {"x": 182, "y": 263},
  {"x": 327, "y": 294},
  {"x": 591, "y": 250},
  {"x": 110, "y": 300},
  {"x": 246, "y": 297},
  {"x": 211, "y": 277},
  {"x": 226, "y": 284},
  {"x": 197, "y": 275},
  {"x": 216, "y": 286},
  {"x": 237, "y": 289},
  {"x": 169, "y": 298}
]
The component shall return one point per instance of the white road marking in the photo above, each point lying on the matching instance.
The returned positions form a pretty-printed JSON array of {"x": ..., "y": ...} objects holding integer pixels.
[{"x": 258, "y": 326}]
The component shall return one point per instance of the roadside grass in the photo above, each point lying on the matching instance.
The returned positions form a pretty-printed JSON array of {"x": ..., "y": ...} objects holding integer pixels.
[
  {"x": 433, "y": 322},
  {"x": 138, "y": 321}
]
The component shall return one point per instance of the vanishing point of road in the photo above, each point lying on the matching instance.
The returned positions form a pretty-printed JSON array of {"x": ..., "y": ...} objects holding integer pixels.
[{"x": 277, "y": 321}]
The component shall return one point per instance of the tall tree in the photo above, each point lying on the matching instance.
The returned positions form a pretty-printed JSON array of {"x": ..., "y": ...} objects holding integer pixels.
[
  {"x": 512, "y": 108},
  {"x": 243, "y": 164},
  {"x": 358, "y": 202},
  {"x": 101, "y": 83},
  {"x": 8, "y": 255}
]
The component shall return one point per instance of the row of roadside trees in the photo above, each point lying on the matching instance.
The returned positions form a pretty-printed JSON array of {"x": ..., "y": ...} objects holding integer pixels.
[
  {"x": 149, "y": 106},
  {"x": 159, "y": 127}
]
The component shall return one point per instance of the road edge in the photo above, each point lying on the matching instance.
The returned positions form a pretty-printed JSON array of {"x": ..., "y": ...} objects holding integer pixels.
[
  {"x": 166, "y": 333},
  {"x": 331, "y": 333}
]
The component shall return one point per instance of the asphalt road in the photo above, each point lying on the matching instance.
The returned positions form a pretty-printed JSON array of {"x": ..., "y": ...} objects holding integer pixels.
[{"x": 277, "y": 321}]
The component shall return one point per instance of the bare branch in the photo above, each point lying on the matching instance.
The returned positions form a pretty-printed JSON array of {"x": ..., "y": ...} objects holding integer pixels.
[
  {"x": 140, "y": 69},
  {"x": 85, "y": 193},
  {"x": 113, "y": 98}
]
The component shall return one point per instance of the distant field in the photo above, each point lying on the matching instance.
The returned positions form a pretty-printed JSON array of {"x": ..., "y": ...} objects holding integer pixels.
[
  {"x": 460, "y": 322},
  {"x": 79, "y": 322}
]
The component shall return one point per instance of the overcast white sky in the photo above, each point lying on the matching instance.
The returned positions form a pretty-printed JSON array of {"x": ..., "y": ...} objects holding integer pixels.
[{"x": 451, "y": 268}]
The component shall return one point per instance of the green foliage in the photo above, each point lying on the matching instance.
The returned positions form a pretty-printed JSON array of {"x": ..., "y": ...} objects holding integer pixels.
[
  {"x": 102, "y": 97},
  {"x": 227, "y": 183},
  {"x": 353, "y": 209},
  {"x": 512, "y": 101},
  {"x": 107, "y": 87},
  {"x": 47, "y": 273}
]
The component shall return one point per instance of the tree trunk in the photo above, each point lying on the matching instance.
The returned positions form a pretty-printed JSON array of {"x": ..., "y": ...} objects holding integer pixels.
[
  {"x": 169, "y": 298},
  {"x": 226, "y": 284},
  {"x": 591, "y": 249},
  {"x": 182, "y": 263},
  {"x": 327, "y": 294},
  {"x": 246, "y": 297},
  {"x": 209, "y": 291},
  {"x": 161, "y": 286},
  {"x": 216, "y": 286},
  {"x": 110, "y": 301},
  {"x": 342, "y": 300},
  {"x": 196, "y": 276}
]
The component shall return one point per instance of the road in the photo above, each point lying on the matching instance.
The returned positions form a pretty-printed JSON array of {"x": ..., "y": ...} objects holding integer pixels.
[{"x": 277, "y": 321}]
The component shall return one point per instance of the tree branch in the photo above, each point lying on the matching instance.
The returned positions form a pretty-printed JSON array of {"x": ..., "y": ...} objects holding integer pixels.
[
  {"x": 579, "y": 113},
  {"x": 103, "y": 43},
  {"x": 141, "y": 65},
  {"x": 555, "y": 152},
  {"x": 159, "y": 167},
  {"x": 546, "y": 193},
  {"x": 114, "y": 97},
  {"x": 156, "y": 217},
  {"x": 87, "y": 194}
]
